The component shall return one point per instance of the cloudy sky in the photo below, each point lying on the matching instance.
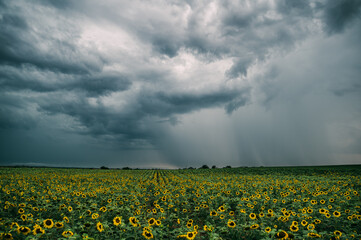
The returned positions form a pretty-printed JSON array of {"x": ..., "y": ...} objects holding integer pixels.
[{"x": 166, "y": 83}]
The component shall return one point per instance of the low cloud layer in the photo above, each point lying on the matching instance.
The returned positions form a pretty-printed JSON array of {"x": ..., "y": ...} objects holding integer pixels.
[{"x": 180, "y": 83}]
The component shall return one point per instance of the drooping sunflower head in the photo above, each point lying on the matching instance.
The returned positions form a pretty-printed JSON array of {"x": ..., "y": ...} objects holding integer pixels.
[
  {"x": 59, "y": 225},
  {"x": 24, "y": 230},
  {"x": 38, "y": 230},
  {"x": 67, "y": 234}
]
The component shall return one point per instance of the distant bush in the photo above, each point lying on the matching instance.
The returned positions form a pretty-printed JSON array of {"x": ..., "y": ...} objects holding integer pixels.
[
  {"x": 126, "y": 168},
  {"x": 104, "y": 167},
  {"x": 204, "y": 167},
  {"x": 228, "y": 167},
  {"x": 214, "y": 166}
]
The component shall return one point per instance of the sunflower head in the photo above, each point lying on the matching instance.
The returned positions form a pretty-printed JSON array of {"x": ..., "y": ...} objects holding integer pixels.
[
  {"x": 59, "y": 224},
  {"x": 231, "y": 223},
  {"x": 48, "y": 223},
  {"x": 100, "y": 227},
  {"x": 117, "y": 221}
]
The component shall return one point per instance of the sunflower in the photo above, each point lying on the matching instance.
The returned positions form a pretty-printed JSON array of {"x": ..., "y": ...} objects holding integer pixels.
[
  {"x": 147, "y": 234},
  {"x": 304, "y": 222},
  {"x": 66, "y": 219},
  {"x": 21, "y": 211},
  {"x": 133, "y": 221},
  {"x": 313, "y": 235},
  {"x": 158, "y": 222},
  {"x": 117, "y": 221},
  {"x": 254, "y": 226},
  {"x": 231, "y": 223},
  {"x": 252, "y": 216},
  {"x": 231, "y": 213},
  {"x": 70, "y": 209},
  {"x": 221, "y": 209},
  {"x": 281, "y": 234},
  {"x": 311, "y": 226},
  {"x": 59, "y": 225},
  {"x": 23, "y": 217},
  {"x": 267, "y": 229},
  {"x": 8, "y": 236},
  {"x": 67, "y": 234},
  {"x": 14, "y": 224},
  {"x": 151, "y": 222},
  {"x": 213, "y": 213},
  {"x": 322, "y": 210},
  {"x": 191, "y": 235},
  {"x": 24, "y": 230},
  {"x": 48, "y": 223},
  {"x": 100, "y": 227},
  {"x": 95, "y": 215},
  {"x": 337, "y": 233},
  {"x": 294, "y": 228},
  {"x": 336, "y": 214},
  {"x": 38, "y": 230},
  {"x": 103, "y": 209}
]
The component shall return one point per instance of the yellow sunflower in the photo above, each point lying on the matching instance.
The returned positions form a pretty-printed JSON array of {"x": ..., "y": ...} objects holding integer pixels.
[
  {"x": 48, "y": 223},
  {"x": 100, "y": 227},
  {"x": 117, "y": 221}
]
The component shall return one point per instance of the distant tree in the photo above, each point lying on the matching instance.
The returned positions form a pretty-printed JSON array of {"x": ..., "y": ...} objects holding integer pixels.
[
  {"x": 104, "y": 167},
  {"x": 204, "y": 167},
  {"x": 126, "y": 168},
  {"x": 228, "y": 167},
  {"x": 214, "y": 166},
  {"x": 190, "y": 168}
]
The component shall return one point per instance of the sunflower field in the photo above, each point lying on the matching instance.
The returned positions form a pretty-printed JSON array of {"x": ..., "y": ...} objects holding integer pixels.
[{"x": 227, "y": 203}]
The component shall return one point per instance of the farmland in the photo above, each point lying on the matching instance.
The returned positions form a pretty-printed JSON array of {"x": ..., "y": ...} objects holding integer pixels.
[{"x": 228, "y": 203}]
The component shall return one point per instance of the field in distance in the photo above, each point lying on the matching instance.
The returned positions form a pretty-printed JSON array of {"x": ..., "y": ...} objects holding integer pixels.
[{"x": 227, "y": 203}]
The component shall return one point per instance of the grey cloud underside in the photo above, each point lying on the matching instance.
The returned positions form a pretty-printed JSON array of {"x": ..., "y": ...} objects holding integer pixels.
[
  {"x": 131, "y": 89},
  {"x": 131, "y": 123}
]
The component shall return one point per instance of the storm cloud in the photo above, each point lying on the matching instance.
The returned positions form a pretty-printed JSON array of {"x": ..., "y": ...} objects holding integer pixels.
[{"x": 180, "y": 83}]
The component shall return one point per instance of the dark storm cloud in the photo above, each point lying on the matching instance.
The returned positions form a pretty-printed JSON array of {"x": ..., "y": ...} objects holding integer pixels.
[
  {"x": 31, "y": 78},
  {"x": 338, "y": 14},
  {"x": 133, "y": 74},
  {"x": 23, "y": 43},
  {"x": 14, "y": 114},
  {"x": 132, "y": 124}
]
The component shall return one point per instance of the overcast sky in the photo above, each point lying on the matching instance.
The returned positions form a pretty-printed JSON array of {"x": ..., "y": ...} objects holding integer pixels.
[{"x": 180, "y": 83}]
